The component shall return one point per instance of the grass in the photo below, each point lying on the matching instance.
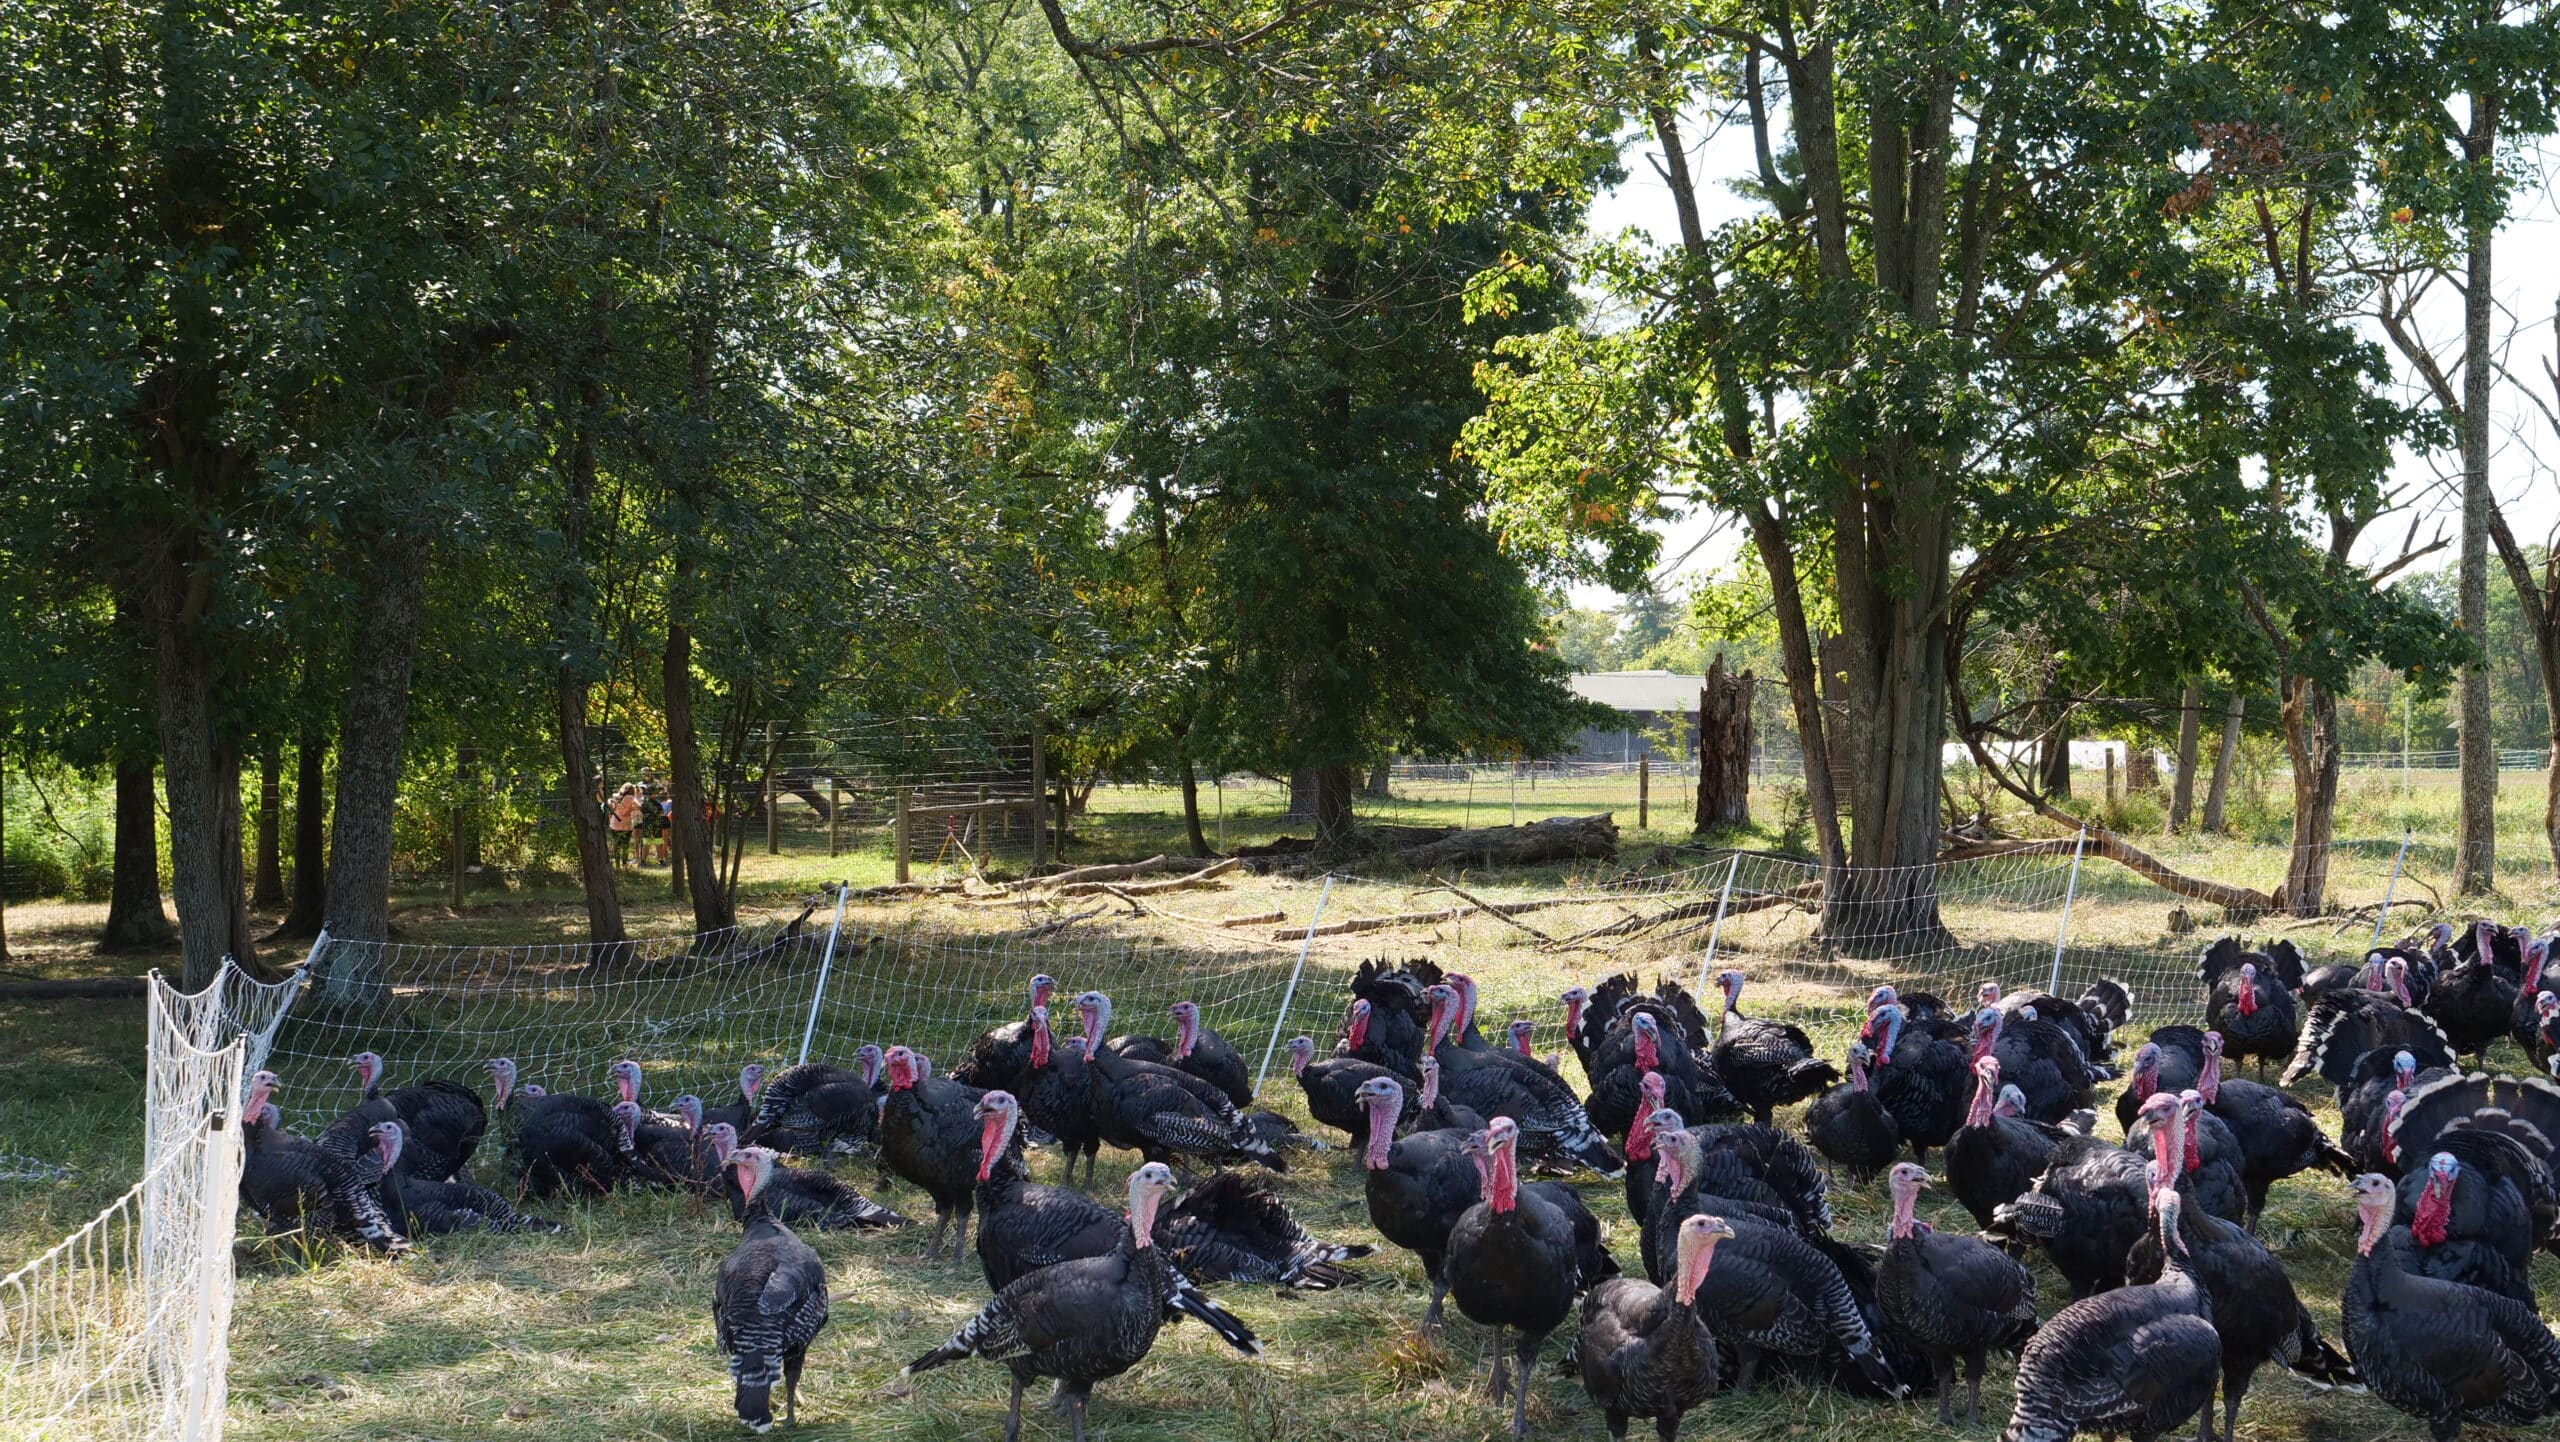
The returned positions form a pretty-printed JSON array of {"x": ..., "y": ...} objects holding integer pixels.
[{"x": 605, "y": 1333}]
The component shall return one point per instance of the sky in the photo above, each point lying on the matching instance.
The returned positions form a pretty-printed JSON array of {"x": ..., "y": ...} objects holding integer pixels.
[{"x": 2527, "y": 452}]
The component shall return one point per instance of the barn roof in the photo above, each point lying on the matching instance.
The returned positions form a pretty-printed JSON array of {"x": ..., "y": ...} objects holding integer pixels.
[{"x": 1640, "y": 690}]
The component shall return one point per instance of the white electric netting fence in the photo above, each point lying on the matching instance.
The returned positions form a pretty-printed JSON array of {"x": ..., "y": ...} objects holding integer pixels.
[
  {"x": 692, "y": 1010},
  {"x": 120, "y": 1330}
]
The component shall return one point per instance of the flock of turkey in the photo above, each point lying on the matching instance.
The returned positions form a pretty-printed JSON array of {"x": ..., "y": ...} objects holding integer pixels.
[{"x": 2454, "y": 1178}]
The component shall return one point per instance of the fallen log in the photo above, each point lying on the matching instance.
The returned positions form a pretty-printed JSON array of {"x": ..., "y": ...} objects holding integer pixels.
[
  {"x": 1259, "y": 918},
  {"x": 1557, "y": 838},
  {"x": 66, "y": 988},
  {"x": 1355, "y": 925},
  {"x": 1741, "y": 904},
  {"x": 1490, "y": 909},
  {"x": 1113, "y": 871},
  {"x": 894, "y": 889}
]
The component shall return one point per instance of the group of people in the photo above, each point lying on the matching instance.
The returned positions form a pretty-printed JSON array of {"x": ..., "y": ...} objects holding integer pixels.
[{"x": 641, "y": 817}]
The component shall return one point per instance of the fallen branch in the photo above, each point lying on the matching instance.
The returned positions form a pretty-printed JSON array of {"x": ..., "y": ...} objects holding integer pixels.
[
  {"x": 1048, "y": 929},
  {"x": 895, "y": 889},
  {"x": 1193, "y": 881},
  {"x": 1740, "y": 905},
  {"x": 1489, "y": 909},
  {"x": 1113, "y": 871},
  {"x": 1358, "y": 924},
  {"x": 1259, "y": 918}
]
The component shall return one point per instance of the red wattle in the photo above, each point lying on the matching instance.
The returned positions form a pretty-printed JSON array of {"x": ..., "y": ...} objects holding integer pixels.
[
  {"x": 2434, "y": 1213},
  {"x": 2249, "y": 1001}
]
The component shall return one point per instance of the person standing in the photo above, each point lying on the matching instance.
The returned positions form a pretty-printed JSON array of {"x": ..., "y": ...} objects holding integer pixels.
[{"x": 621, "y": 817}]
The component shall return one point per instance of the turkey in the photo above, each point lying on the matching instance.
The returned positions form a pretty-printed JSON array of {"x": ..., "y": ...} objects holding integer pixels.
[
  {"x": 1922, "y": 1079},
  {"x": 2467, "y": 1225},
  {"x": 430, "y": 1206},
  {"x": 1643, "y": 1350},
  {"x": 1647, "y": 1039},
  {"x": 1332, "y": 1087},
  {"x": 769, "y": 1302},
  {"x": 1229, "y": 1228},
  {"x": 2170, "y": 1061},
  {"x": 800, "y": 1198},
  {"x": 2037, "y": 1058},
  {"x": 1551, "y": 1120},
  {"x": 2525, "y": 1109},
  {"x": 1089, "y": 1319},
  {"x": 2254, "y": 1012},
  {"x": 929, "y": 1136},
  {"x": 741, "y": 1113},
  {"x": 2076, "y": 1026},
  {"x": 1001, "y": 1057},
  {"x": 1765, "y": 1064},
  {"x": 1432, "y": 1111},
  {"x": 2255, "y": 1312},
  {"x": 1651, "y": 1097},
  {"x": 2344, "y": 1025},
  {"x": 672, "y": 1151},
  {"x": 2475, "y": 1002},
  {"x": 1950, "y": 1296},
  {"x": 1993, "y": 1159},
  {"x": 1849, "y": 1126},
  {"x": 444, "y": 1120},
  {"x": 1162, "y": 1113},
  {"x": 2526, "y": 1026},
  {"x": 2440, "y": 1351},
  {"x": 2209, "y": 1159},
  {"x": 2538, "y": 1031},
  {"x": 1417, "y": 1186},
  {"x": 2089, "y": 1205},
  {"x": 280, "y": 1176},
  {"x": 1385, "y": 1019},
  {"x": 814, "y": 1108},
  {"x": 1057, "y": 1096},
  {"x": 2108, "y": 1003},
  {"x": 2382, "y": 1081},
  {"x": 1206, "y": 1055},
  {"x": 2140, "y": 1360},
  {"x": 2277, "y": 1136},
  {"x": 1514, "y": 1264},
  {"x": 1782, "y": 1295},
  {"x": 562, "y": 1139}
]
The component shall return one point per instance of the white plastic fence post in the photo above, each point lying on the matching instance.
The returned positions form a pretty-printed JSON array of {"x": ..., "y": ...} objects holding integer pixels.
[
  {"x": 217, "y": 1190},
  {"x": 1291, "y": 992},
  {"x": 1715, "y": 930},
  {"x": 826, "y": 963},
  {"x": 2062, "y": 932},
  {"x": 2389, "y": 891}
]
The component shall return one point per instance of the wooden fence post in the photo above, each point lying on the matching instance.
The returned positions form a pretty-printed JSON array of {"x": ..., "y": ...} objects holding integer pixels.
[
  {"x": 835, "y": 816},
  {"x": 1724, "y": 749},
  {"x": 898, "y": 829},
  {"x": 1644, "y": 791},
  {"x": 772, "y": 812}
]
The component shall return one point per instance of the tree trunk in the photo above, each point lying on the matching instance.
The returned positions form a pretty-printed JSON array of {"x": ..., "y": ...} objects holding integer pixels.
[
  {"x": 370, "y": 741},
  {"x": 1724, "y": 750},
  {"x": 2476, "y": 846},
  {"x": 1302, "y": 794},
  {"x": 1796, "y": 659},
  {"x": 1380, "y": 775},
  {"x": 310, "y": 900},
  {"x": 266, "y": 885},
  {"x": 2310, "y": 716},
  {"x": 569, "y": 679},
  {"x": 2226, "y": 760},
  {"x": 134, "y": 917},
  {"x": 1333, "y": 811},
  {"x": 2182, "y": 789},
  {"x": 693, "y": 863},
  {"x": 1892, "y": 580},
  {"x": 2053, "y": 755},
  {"x": 1191, "y": 810},
  {"x": 203, "y": 778}
]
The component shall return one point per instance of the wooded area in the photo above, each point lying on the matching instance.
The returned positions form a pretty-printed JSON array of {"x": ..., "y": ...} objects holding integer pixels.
[{"x": 411, "y": 402}]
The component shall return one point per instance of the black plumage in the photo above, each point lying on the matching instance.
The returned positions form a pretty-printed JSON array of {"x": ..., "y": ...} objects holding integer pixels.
[
  {"x": 1000, "y": 1057},
  {"x": 929, "y": 1136},
  {"x": 1205, "y": 1054},
  {"x": 1765, "y": 1064},
  {"x": 800, "y": 1197},
  {"x": 2249, "y": 1006},
  {"x": 563, "y": 1140},
  {"x": 741, "y": 1113},
  {"x": 816, "y": 1108},
  {"x": 1416, "y": 1186},
  {"x": 1515, "y": 1264},
  {"x": 2255, "y": 1311},
  {"x": 2209, "y": 1165},
  {"x": 1161, "y": 1112},
  {"x": 1952, "y": 1297},
  {"x": 769, "y": 1302},
  {"x": 2169, "y": 1060},
  {"x": 2475, "y": 1001},
  {"x": 434, "y": 1206},
  {"x": 1090, "y": 1319},
  {"x": 2277, "y": 1136},
  {"x": 2525, "y": 1108},
  {"x": 1649, "y": 1037},
  {"x": 1645, "y": 1351},
  {"x": 280, "y": 1173},
  {"x": 2440, "y": 1351},
  {"x": 2140, "y": 1360},
  {"x": 2376, "y": 1094},
  {"x": 2038, "y": 1058},
  {"x": 1059, "y": 1098},
  {"x": 1550, "y": 1118},
  {"x": 1920, "y": 1076},
  {"x": 2088, "y": 1206},
  {"x": 443, "y": 1120},
  {"x": 1850, "y": 1127},
  {"x": 1992, "y": 1160},
  {"x": 1332, "y": 1088},
  {"x": 2344, "y": 1025},
  {"x": 2467, "y": 1225}
]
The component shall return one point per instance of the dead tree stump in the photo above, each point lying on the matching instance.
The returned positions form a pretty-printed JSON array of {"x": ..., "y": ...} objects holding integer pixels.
[{"x": 1724, "y": 749}]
